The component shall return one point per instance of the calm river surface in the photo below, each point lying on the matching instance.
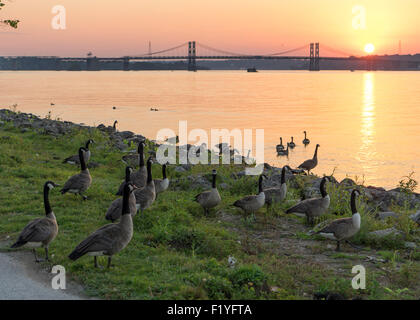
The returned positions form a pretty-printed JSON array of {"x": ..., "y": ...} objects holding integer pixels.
[{"x": 367, "y": 123}]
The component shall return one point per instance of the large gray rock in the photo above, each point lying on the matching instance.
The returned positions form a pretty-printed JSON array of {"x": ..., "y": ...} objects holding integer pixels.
[
  {"x": 384, "y": 215},
  {"x": 385, "y": 232},
  {"x": 416, "y": 217}
]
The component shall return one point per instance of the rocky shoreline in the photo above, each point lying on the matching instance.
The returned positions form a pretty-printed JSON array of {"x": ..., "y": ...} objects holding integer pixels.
[{"x": 379, "y": 200}]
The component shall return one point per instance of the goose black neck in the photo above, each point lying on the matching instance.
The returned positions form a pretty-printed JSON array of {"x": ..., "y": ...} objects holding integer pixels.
[
  {"x": 281, "y": 140},
  {"x": 149, "y": 171},
  {"x": 87, "y": 144},
  {"x": 283, "y": 175},
  {"x": 292, "y": 139},
  {"x": 127, "y": 174},
  {"x": 115, "y": 124},
  {"x": 82, "y": 160},
  {"x": 322, "y": 187},
  {"x": 353, "y": 202},
  {"x": 126, "y": 195},
  {"x": 305, "y": 135},
  {"x": 47, "y": 205},
  {"x": 316, "y": 151},
  {"x": 260, "y": 188},
  {"x": 213, "y": 182},
  {"x": 164, "y": 171},
  {"x": 141, "y": 157}
]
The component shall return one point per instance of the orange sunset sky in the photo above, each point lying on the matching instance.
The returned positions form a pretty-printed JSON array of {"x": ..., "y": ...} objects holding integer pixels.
[{"x": 124, "y": 27}]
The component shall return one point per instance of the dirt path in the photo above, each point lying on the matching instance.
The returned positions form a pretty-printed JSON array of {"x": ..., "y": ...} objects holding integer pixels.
[{"x": 21, "y": 278}]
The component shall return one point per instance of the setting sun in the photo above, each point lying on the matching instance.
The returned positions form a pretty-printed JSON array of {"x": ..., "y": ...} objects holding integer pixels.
[{"x": 369, "y": 48}]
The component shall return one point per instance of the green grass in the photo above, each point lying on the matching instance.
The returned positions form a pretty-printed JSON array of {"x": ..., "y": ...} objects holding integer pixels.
[{"x": 177, "y": 252}]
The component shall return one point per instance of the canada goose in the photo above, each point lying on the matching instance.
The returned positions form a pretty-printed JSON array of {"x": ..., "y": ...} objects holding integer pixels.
[
  {"x": 313, "y": 207},
  {"x": 139, "y": 177},
  {"x": 114, "y": 210},
  {"x": 251, "y": 204},
  {"x": 306, "y": 140},
  {"x": 292, "y": 144},
  {"x": 344, "y": 228},
  {"x": 161, "y": 184},
  {"x": 40, "y": 232},
  {"x": 111, "y": 238},
  {"x": 284, "y": 152},
  {"x": 74, "y": 159},
  {"x": 146, "y": 195},
  {"x": 310, "y": 164},
  {"x": 114, "y": 127},
  {"x": 277, "y": 194},
  {"x": 80, "y": 182},
  {"x": 211, "y": 198},
  {"x": 280, "y": 146}
]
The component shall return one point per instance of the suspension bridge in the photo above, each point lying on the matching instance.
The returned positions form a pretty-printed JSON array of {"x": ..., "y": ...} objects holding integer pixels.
[{"x": 193, "y": 51}]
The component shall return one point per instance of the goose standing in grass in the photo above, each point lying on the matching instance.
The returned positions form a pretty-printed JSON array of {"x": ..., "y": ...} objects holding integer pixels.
[
  {"x": 111, "y": 238},
  {"x": 310, "y": 164},
  {"x": 313, "y": 207},
  {"x": 305, "y": 140},
  {"x": 211, "y": 198},
  {"x": 344, "y": 228},
  {"x": 277, "y": 194},
  {"x": 292, "y": 144},
  {"x": 139, "y": 177},
  {"x": 280, "y": 146},
  {"x": 284, "y": 152},
  {"x": 114, "y": 210},
  {"x": 80, "y": 182},
  {"x": 146, "y": 195},
  {"x": 161, "y": 184},
  {"x": 40, "y": 232},
  {"x": 74, "y": 159},
  {"x": 251, "y": 204}
]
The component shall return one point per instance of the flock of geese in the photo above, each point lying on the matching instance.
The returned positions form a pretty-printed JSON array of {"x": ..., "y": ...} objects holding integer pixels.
[{"x": 139, "y": 191}]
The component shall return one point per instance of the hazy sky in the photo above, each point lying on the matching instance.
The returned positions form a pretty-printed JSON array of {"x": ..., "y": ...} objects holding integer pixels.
[{"x": 124, "y": 27}]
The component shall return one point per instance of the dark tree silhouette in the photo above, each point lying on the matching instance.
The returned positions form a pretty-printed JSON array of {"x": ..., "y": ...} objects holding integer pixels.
[{"x": 9, "y": 22}]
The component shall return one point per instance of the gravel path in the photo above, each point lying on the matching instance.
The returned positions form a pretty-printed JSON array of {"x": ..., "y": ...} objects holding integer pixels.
[{"x": 21, "y": 279}]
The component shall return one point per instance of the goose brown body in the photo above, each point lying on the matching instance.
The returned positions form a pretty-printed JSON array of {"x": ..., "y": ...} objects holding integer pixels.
[
  {"x": 42, "y": 231},
  {"x": 310, "y": 164},
  {"x": 111, "y": 238}
]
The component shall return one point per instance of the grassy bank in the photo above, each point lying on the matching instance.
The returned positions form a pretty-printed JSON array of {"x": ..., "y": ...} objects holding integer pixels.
[{"x": 177, "y": 252}]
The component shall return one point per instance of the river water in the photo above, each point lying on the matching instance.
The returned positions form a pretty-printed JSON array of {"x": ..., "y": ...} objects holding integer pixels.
[{"x": 367, "y": 123}]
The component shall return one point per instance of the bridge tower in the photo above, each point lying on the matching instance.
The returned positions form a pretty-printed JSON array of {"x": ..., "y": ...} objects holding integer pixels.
[
  {"x": 192, "y": 56},
  {"x": 126, "y": 64},
  {"x": 314, "y": 57}
]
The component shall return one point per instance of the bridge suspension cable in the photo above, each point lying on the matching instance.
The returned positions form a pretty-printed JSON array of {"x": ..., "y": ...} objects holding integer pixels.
[
  {"x": 162, "y": 51},
  {"x": 325, "y": 47}
]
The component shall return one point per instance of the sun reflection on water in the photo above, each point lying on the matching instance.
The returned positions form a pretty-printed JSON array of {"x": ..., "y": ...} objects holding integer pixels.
[{"x": 367, "y": 147}]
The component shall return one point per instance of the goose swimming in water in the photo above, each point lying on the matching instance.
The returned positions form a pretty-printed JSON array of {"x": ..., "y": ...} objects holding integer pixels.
[
  {"x": 284, "y": 152},
  {"x": 344, "y": 228},
  {"x": 292, "y": 144},
  {"x": 280, "y": 146},
  {"x": 40, "y": 232},
  {"x": 305, "y": 140}
]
